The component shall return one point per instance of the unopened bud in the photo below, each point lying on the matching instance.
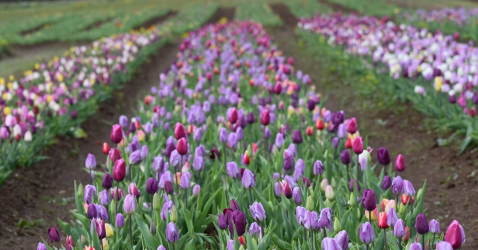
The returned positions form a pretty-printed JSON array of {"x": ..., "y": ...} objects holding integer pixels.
[
  {"x": 310, "y": 204},
  {"x": 156, "y": 202},
  {"x": 173, "y": 216}
]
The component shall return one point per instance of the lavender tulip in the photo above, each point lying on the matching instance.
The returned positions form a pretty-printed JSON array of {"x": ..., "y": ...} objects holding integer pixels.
[
  {"x": 297, "y": 195},
  {"x": 330, "y": 244},
  {"x": 257, "y": 211},
  {"x": 399, "y": 229},
  {"x": 129, "y": 205},
  {"x": 90, "y": 162},
  {"x": 343, "y": 239},
  {"x": 318, "y": 168},
  {"x": 366, "y": 233},
  {"x": 172, "y": 234},
  {"x": 254, "y": 229},
  {"x": 248, "y": 179}
]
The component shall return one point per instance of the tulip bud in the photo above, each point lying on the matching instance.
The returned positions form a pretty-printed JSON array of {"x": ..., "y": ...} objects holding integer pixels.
[
  {"x": 286, "y": 190},
  {"x": 119, "y": 170},
  {"x": 337, "y": 226},
  {"x": 156, "y": 202},
  {"x": 41, "y": 246},
  {"x": 297, "y": 195},
  {"x": 455, "y": 235},
  {"x": 415, "y": 246},
  {"x": 329, "y": 193},
  {"x": 296, "y": 137},
  {"x": 319, "y": 124},
  {"x": 366, "y": 233},
  {"x": 182, "y": 146},
  {"x": 398, "y": 229},
  {"x": 80, "y": 190},
  {"x": 196, "y": 190},
  {"x": 172, "y": 234},
  {"x": 383, "y": 156},
  {"x": 369, "y": 200},
  {"x": 265, "y": 117},
  {"x": 352, "y": 126},
  {"x": 400, "y": 163},
  {"x": 357, "y": 145},
  {"x": 83, "y": 239},
  {"x": 310, "y": 204},
  {"x": 406, "y": 237},
  {"x": 309, "y": 131},
  {"x": 90, "y": 162},
  {"x": 386, "y": 182},
  {"x": 352, "y": 199},
  {"x": 168, "y": 187},
  {"x": 91, "y": 213},
  {"x": 434, "y": 227},
  {"x": 129, "y": 205},
  {"x": 107, "y": 181},
  {"x": 421, "y": 224},
  {"x": 54, "y": 235},
  {"x": 323, "y": 184},
  {"x": 173, "y": 216},
  {"x": 443, "y": 245},
  {"x": 109, "y": 231},
  {"x": 116, "y": 134},
  {"x": 382, "y": 220},
  {"x": 222, "y": 222},
  {"x": 345, "y": 157},
  {"x": 179, "y": 131}
]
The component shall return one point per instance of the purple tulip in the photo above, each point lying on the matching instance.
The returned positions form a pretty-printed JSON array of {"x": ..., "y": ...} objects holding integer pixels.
[
  {"x": 345, "y": 157},
  {"x": 296, "y": 137},
  {"x": 310, "y": 220},
  {"x": 415, "y": 246},
  {"x": 257, "y": 211},
  {"x": 392, "y": 217},
  {"x": 135, "y": 158},
  {"x": 325, "y": 219},
  {"x": 91, "y": 211},
  {"x": 89, "y": 193},
  {"x": 397, "y": 185},
  {"x": 330, "y": 244},
  {"x": 366, "y": 233},
  {"x": 369, "y": 200},
  {"x": 383, "y": 156},
  {"x": 105, "y": 198},
  {"x": 41, "y": 246},
  {"x": 254, "y": 229},
  {"x": 399, "y": 229},
  {"x": 222, "y": 222},
  {"x": 335, "y": 142},
  {"x": 107, "y": 181},
  {"x": 196, "y": 190},
  {"x": 223, "y": 135},
  {"x": 248, "y": 179},
  {"x": 152, "y": 186},
  {"x": 318, "y": 168},
  {"x": 172, "y": 234},
  {"x": 386, "y": 182},
  {"x": 232, "y": 170},
  {"x": 343, "y": 239},
  {"x": 54, "y": 235},
  {"x": 297, "y": 195},
  {"x": 238, "y": 220},
  {"x": 90, "y": 162},
  {"x": 129, "y": 205},
  {"x": 434, "y": 227},
  {"x": 443, "y": 245},
  {"x": 407, "y": 188},
  {"x": 421, "y": 224},
  {"x": 167, "y": 206}
]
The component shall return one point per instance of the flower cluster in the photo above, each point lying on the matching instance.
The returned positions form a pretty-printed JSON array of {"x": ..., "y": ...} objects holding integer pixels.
[{"x": 263, "y": 149}]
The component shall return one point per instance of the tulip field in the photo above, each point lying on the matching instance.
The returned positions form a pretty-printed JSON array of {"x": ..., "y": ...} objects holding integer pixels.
[{"x": 231, "y": 125}]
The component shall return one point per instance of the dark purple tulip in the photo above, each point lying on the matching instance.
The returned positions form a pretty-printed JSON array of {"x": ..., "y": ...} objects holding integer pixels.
[
  {"x": 91, "y": 211},
  {"x": 335, "y": 142},
  {"x": 251, "y": 118},
  {"x": 310, "y": 105},
  {"x": 168, "y": 187},
  {"x": 234, "y": 206},
  {"x": 306, "y": 182},
  {"x": 296, "y": 137},
  {"x": 338, "y": 117},
  {"x": 475, "y": 98},
  {"x": 421, "y": 224},
  {"x": 238, "y": 219},
  {"x": 107, "y": 181},
  {"x": 54, "y": 235},
  {"x": 452, "y": 99},
  {"x": 345, "y": 157},
  {"x": 369, "y": 201},
  {"x": 152, "y": 186},
  {"x": 386, "y": 182},
  {"x": 222, "y": 222},
  {"x": 383, "y": 156}
]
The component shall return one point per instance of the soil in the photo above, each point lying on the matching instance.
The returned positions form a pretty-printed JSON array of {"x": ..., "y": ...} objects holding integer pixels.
[
  {"x": 33, "y": 30},
  {"x": 452, "y": 185},
  {"x": 156, "y": 20},
  {"x": 35, "y": 197},
  {"x": 97, "y": 24}
]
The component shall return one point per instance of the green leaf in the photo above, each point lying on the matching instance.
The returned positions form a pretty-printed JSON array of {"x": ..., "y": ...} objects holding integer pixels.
[
  {"x": 79, "y": 133},
  {"x": 65, "y": 226},
  {"x": 83, "y": 219},
  {"x": 150, "y": 240}
]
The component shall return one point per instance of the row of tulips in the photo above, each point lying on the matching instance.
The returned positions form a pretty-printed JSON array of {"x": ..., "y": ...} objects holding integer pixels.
[
  {"x": 57, "y": 95},
  {"x": 441, "y": 71},
  {"x": 235, "y": 150}
]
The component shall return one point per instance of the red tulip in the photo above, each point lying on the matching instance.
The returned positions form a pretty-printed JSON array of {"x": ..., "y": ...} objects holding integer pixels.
[
  {"x": 319, "y": 124},
  {"x": 247, "y": 159},
  {"x": 148, "y": 99},
  {"x": 179, "y": 131},
  {"x": 357, "y": 145},
  {"x": 119, "y": 170},
  {"x": 407, "y": 235},
  {"x": 348, "y": 143},
  {"x": 116, "y": 134},
  {"x": 472, "y": 111},
  {"x": 405, "y": 199},
  {"x": 106, "y": 148},
  {"x": 455, "y": 235},
  {"x": 382, "y": 220},
  {"x": 309, "y": 131},
  {"x": 182, "y": 146}
]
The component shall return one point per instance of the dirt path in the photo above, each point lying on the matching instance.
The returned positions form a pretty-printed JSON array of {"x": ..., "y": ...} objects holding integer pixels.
[
  {"x": 44, "y": 192},
  {"x": 451, "y": 183}
]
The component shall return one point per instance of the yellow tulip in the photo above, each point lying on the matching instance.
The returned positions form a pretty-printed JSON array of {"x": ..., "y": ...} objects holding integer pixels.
[
  {"x": 105, "y": 244},
  {"x": 109, "y": 230},
  {"x": 374, "y": 214},
  {"x": 7, "y": 110}
]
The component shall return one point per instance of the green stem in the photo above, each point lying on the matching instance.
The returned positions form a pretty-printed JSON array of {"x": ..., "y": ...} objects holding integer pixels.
[
  {"x": 400, "y": 243},
  {"x": 313, "y": 240},
  {"x": 131, "y": 230},
  {"x": 116, "y": 198}
]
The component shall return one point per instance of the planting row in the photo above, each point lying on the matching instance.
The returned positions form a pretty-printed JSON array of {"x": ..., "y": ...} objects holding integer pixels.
[
  {"x": 434, "y": 71},
  {"x": 258, "y": 12},
  {"x": 233, "y": 150},
  {"x": 58, "y": 95}
]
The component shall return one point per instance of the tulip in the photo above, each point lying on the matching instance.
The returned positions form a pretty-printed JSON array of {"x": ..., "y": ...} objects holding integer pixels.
[
  {"x": 168, "y": 187},
  {"x": 421, "y": 224},
  {"x": 341, "y": 131},
  {"x": 167, "y": 206},
  {"x": 406, "y": 237},
  {"x": 179, "y": 131},
  {"x": 91, "y": 213},
  {"x": 398, "y": 229},
  {"x": 152, "y": 186},
  {"x": 265, "y": 117},
  {"x": 129, "y": 205},
  {"x": 345, "y": 157},
  {"x": 366, "y": 233},
  {"x": 357, "y": 145},
  {"x": 107, "y": 181},
  {"x": 223, "y": 135},
  {"x": 119, "y": 221},
  {"x": 89, "y": 194},
  {"x": 116, "y": 134},
  {"x": 90, "y": 162},
  {"x": 41, "y": 246},
  {"x": 400, "y": 163},
  {"x": 382, "y": 220},
  {"x": 415, "y": 246},
  {"x": 114, "y": 154},
  {"x": 369, "y": 201},
  {"x": 133, "y": 190},
  {"x": 185, "y": 182},
  {"x": 392, "y": 217},
  {"x": 173, "y": 215},
  {"x": 296, "y": 137},
  {"x": 257, "y": 211},
  {"x": 196, "y": 190},
  {"x": 237, "y": 220},
  {"x": 233, "y": 116},
  {"x": 329, "y": 193},
  {"x": 254, "y": 229},
  {"x": 443, "y": 245},
  {"x": 182, "y": 146},
  {"x": 455, "y": 235},
  {"x": 351, "y": 185},
  {"x": 325, "y": 219},
  {"x": 434, "y": 227},
  {"x": 109, "y": 231},
  {"x": 297, "y": 195},
  {"x": 352, "y": 126},
  {"x": 319, "y": 124},
  {"x": 100, "y": 228},
  {"x": 318, "y": 168},
  {"x": 248, "y": 179},
  {"x": 386, "y": 182},
  {"x": 222, "y": 222},
  {"x": 407, "y": 188},
  {"x": 343, "y": 239},
  {"x": 383, "y": 156},
  {"x": 310, "y": 220},
  {"x": 119, "y": 170},
  {"x": 54, "y": 235},
  {"x": 135, "y": 158},
  {"x": 397, "y": 185},
  {"x": 285, "y": 189},
  {"x": 330, "y": 244},
  {"x": 172, "y": 234}
]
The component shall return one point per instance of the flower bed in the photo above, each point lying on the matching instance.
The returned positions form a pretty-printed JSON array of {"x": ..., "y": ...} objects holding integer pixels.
[
  {"x": 425, "y": 68},
  {"x": 56, "y": 96},
  {"x": 235, "y": 150}
]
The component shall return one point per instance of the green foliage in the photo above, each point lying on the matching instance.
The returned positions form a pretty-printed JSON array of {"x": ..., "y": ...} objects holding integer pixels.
[{"x": 259, "y": 12}]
